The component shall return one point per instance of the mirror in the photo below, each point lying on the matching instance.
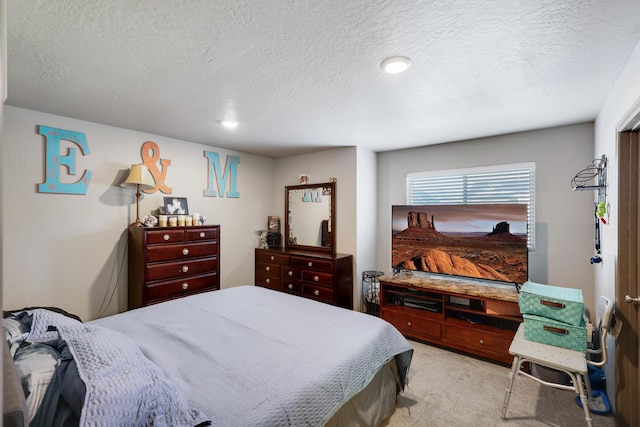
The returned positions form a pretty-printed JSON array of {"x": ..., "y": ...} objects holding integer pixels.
[{"x": 310, "y": 217}]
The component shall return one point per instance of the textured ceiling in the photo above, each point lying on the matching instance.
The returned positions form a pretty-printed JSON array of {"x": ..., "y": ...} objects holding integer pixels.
[{"x": 304, "y": 75}]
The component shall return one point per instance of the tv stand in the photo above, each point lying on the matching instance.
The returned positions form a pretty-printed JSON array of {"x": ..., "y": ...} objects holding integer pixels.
[{"x": 465, "y": 315}]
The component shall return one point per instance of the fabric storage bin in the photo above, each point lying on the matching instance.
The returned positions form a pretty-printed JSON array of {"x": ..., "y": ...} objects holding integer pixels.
[
  {"x": 552, "y": 332},
  {"x": 562, "y": 304}
]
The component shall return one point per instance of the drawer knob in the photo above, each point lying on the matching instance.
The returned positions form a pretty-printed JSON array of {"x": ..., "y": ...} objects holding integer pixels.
[
  {"x": 481, "y": 341},
  {"x": 290, "y": 286},
  {"x": 316, "y": 292},
  {"x": 408, "y": 323},
  {"x": 310, "y": 264},
  {"x": 185, "y": 268},
  {"x": 185, "y": 251},
  {"x": 316, "y": 278},
  {"x": 166, "y": 237},
  {"x": 290, "y": 273},
  {"x": 268, "y": 280},
  {"x": 267, "y": 268},
  {"x": 185, "y": 286},
  {"x": 202, "y": 234},
  {"x": 273, "y": 258}
]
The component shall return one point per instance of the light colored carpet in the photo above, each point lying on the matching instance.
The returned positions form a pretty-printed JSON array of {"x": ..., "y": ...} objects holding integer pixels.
[{"x": 449, "y": 389}]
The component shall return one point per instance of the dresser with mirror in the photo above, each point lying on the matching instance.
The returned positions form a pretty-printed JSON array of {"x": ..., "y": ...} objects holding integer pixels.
[{"x": 307, "y": 265}]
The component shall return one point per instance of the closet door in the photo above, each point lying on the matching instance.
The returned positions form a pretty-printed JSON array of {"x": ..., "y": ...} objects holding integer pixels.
[{"x": 627, "y": 278}]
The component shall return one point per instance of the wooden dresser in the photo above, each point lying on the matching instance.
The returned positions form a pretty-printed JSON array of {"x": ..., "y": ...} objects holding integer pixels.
[
  {"x": 172, "y": 262},
  {"x": 319, "y": 276}
]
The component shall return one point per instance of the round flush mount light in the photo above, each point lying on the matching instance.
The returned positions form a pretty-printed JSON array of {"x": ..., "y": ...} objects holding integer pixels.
[
  {"x": 229, "y": 123},
  {"x": 396, "y": 64}
]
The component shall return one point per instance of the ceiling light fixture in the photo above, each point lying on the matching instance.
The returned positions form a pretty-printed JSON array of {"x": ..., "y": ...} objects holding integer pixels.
[
  {"x": 229, "y": 123},
  {"x": 396, "y": 64}
]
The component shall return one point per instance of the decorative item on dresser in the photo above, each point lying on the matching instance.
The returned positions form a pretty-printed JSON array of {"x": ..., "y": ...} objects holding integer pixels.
[
  {"x": 319, "y": 276},
  {"x": 465, "y": 315},
  {"x": 172, "y": 262}
]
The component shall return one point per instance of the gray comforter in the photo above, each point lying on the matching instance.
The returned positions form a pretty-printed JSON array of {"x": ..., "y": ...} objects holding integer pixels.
[{"x": 247, "y": 356}]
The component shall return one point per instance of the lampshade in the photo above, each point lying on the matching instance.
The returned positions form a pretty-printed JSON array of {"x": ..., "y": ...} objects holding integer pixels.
[{"x": 140, "y": 175}]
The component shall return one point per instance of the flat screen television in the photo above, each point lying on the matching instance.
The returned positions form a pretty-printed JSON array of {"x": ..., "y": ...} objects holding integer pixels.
[{"x": 487, "y": 241}]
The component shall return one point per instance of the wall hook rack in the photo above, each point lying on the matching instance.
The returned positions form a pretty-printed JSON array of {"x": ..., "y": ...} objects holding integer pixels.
[{"x": 598, "y": 170}]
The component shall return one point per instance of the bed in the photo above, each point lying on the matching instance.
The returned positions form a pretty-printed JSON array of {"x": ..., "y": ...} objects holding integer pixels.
[{"x": 236, "y": 357}]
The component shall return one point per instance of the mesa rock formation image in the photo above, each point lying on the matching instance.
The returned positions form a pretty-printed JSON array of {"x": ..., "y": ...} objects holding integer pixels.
[
  {"x": 494, "y": 253},
  {"x": 437, "y": 261}
]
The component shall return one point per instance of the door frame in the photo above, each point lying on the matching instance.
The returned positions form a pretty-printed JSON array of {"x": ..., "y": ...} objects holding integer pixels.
[{"x": 627, "y": 269}]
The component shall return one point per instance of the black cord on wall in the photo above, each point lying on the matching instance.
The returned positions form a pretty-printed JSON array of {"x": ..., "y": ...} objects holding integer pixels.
[{"x": 104, "y": 307}]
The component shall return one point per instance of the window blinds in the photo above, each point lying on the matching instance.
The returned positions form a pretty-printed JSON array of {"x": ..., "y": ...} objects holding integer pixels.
[{"x": 500, "y": 184}]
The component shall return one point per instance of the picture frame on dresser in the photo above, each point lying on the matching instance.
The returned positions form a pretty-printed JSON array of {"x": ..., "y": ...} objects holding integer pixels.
[
  {"x": 273, "y": 224},
  {"x": 176, "y": 206}
]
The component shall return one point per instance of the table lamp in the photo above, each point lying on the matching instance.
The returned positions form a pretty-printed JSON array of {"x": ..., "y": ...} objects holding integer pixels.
[{"x": 141, "y": 177}]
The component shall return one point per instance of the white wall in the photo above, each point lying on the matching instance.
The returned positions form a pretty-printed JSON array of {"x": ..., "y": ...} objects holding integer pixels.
[
  {"x": 624, "y": 96},
  {"x": 564, "y": 219},
  {"x": 367, "y": 216},
  {"x": 69, "y": 251},
  {"x": 625, "y": 93}
]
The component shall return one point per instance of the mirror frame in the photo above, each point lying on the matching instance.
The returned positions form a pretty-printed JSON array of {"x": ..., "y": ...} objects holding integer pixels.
[{"x": 332, "y": 212}]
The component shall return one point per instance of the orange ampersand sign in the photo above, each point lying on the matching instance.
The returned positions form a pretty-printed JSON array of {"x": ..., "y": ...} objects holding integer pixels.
[{"x": 150, "y": 157}]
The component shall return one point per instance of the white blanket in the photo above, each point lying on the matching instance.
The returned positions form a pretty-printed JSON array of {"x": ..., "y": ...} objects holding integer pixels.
[{"x": 248, "y": 356}]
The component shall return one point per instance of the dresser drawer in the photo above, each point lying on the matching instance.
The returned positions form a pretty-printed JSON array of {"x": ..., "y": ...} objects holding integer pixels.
[
  {"x": 418, "y": 326},
  {"x": 169, "y": 270},
  {"x": 318, "y": 293},
  {"x": 477, "y": 339},
  {"x": 317, "y": 278},
  {"x": 201, "y": 234},
  {"x": 292, "y": 286},
  {"x": 174, "y": 288},
  {"x": 183, "y": 251},
  {"x": 164, "y": 236},
  {"x": 312, "y": 263},
  {"x": 291, "y": 273},
  {"x": 268, "y": 269},
  {"x": 266, "y": 281},
  {"x": 272, "y": 258}
]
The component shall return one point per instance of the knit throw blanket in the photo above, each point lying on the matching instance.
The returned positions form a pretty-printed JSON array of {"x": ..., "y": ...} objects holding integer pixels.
[{"x": 123, "y": 386}]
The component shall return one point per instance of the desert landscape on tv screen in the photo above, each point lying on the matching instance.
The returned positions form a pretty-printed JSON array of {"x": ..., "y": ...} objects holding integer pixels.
[{"x": 479, "y": 241}]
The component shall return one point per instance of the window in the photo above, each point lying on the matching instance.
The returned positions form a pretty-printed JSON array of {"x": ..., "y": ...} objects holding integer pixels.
[{"x": 513, "y": 183}]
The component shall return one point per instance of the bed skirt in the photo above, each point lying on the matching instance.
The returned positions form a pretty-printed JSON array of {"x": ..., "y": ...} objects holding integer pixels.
[{"x": 373, "y": 404}]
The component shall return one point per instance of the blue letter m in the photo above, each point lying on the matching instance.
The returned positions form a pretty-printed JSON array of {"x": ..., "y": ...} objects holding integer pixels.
[{"x": 230, "y": 172}]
